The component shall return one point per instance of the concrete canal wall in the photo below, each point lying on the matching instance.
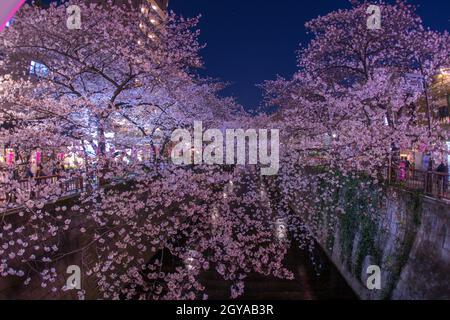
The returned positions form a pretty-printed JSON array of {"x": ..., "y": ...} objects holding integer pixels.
[{"x": 410, "y": 243}]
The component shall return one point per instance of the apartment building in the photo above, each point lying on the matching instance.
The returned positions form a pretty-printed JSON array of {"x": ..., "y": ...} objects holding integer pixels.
[{"x": 154, "y": 12}]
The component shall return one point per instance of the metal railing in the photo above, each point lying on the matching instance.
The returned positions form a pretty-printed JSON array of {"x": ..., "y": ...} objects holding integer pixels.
[
  {"x": 431, "y": 183},
  {"x": 33, "y": 188}
]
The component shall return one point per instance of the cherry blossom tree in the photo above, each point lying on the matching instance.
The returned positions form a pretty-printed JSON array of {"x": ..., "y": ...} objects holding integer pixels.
[
  {"x": 106, "y": 91},
  {"x": 351, "y": 108},
  {"x": 152, "y": 230}
]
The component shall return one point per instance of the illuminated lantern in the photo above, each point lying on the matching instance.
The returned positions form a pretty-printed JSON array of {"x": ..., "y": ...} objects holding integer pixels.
[
  {"x": 10, "y": 157},
  {"x": 38, "y": 157}
]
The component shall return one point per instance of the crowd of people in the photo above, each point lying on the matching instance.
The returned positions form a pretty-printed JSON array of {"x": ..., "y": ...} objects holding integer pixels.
[
  {"x": 25, "y": 170},
  {"x": 21, "y": 171},
  {"x": 436, "y": 179}
]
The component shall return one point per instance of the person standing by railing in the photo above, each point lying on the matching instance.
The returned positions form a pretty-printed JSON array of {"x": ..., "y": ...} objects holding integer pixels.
[
  {"x": 5, "y": 179},
  {"x": 57, "y": 171},
  {"x": 4, "y": 185},
  {"x": 40, "y": 173},
  {"x": 428, "y": 167},
  {"x": 29, "y": 174},
  {"x": 443, "y": 180},
  {"x": 408, "y": 168},
  {"x": 403, "y": 169}
]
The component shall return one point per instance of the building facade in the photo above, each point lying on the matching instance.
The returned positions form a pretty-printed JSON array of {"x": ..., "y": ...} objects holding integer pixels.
[{"x": 441, "y": 92}]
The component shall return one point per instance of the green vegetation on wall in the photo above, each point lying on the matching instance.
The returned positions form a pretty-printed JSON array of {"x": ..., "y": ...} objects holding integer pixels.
[{"x": 358, "y": 205}]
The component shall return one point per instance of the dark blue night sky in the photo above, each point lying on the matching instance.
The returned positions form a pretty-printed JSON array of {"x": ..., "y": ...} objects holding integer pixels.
[{"x": 249, "y": 41}]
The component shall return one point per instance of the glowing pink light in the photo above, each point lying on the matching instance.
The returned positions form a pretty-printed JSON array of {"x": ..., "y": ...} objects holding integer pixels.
[{"x": 10, "y": 160}]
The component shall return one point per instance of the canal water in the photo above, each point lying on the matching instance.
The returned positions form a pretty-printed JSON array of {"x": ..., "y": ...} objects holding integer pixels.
[
  {"x": 316, "y": 277},
  {"x": 313, "y": 281},
  {"x": 318, "y": 281}
]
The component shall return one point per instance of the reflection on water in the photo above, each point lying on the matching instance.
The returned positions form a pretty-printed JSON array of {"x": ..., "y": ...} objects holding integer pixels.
[
  {"x": 313, "y": 281},
  {"x": 318, "y": 281},
  {"x": 316, "y": 278}
]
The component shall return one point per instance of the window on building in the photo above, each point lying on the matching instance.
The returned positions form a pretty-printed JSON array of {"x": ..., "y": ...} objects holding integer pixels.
[{"x": 38, "y": 69}]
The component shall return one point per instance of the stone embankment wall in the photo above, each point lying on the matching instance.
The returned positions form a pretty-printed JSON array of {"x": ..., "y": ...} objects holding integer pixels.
[{"x": 410, "y": 242}]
